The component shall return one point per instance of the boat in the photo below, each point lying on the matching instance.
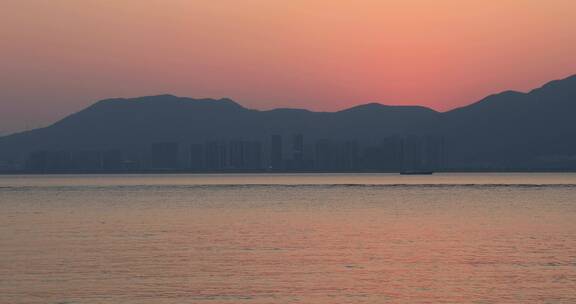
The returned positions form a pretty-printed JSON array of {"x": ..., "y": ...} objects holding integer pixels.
[{"x": 416, "y": 172}]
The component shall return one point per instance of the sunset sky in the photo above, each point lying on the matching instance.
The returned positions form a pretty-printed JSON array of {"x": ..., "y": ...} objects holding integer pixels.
[{"x": 59, "y": 56}]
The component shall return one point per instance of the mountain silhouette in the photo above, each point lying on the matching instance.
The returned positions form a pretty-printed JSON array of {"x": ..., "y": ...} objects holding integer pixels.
[
  {"x": 515, "y": 129},
  {"x": 506, "y": 130}
]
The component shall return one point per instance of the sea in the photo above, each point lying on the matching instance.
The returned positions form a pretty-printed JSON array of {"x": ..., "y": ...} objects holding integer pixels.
[{"x": 288, "y": 238}]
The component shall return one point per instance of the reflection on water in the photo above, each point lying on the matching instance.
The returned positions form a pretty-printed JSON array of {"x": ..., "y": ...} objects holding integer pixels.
[{"x": 455, "y": 238}]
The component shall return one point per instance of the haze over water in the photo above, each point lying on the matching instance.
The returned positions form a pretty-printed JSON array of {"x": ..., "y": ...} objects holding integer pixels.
[{"x": 333, "y": 238}]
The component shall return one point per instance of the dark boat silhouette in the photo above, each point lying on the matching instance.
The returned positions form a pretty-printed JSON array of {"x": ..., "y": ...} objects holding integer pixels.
[{"x": 416, "y": 172}]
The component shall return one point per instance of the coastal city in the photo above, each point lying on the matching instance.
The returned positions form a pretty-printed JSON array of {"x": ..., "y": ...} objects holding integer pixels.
[{"x": 292, "y": 153}]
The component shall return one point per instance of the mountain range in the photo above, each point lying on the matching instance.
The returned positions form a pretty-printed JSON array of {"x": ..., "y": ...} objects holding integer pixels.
[{"x": 509, "y": 130}]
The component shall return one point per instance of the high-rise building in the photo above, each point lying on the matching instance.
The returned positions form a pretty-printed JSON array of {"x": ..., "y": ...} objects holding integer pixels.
[
  {"x": 87, "y": 160},
  {"x": 197, "y": 157},
  {"x": 298, "y": 147},
  {"x": 414, "y": 153},
  {"x": 245, "y": 155},
  {"x": 236, "y": 152},
  {"x": 215, "y": 156},
  {"x": 253, "y": 155},
  {"x": 372, "y": 158},
  {"x": 391, "y": 157},
  {"x": 165, "y": 156},
  {"x": 37, "y": 161},
  {"x": 44, "y": 161},
  {"x": 327, "y": 155},
  {"x": 112, "y": 160},
  {"x": 433, "y": 149},
  {"x": 276, "y": 159},
  {"x": 350, "y": 159},
  {"x": 298, "y": 161}
]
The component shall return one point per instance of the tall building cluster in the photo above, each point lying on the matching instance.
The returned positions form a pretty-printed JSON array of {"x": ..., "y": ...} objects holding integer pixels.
[{"x": 278, "y": 153}]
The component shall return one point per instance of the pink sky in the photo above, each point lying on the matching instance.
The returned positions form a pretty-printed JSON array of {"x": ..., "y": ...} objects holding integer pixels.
[{"x": 58, "y": 56}]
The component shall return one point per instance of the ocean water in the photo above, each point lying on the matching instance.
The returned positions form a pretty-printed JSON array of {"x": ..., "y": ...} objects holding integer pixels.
[{"x": 322, "y": 238}]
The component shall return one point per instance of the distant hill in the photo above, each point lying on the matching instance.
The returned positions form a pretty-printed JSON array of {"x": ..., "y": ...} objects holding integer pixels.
[
  {"x": 506, "y": 130},
  {"x": 141, "y": 121},
  {"x": 516, "y": 129}
]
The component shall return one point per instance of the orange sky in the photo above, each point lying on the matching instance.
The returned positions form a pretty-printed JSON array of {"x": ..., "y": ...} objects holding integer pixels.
[{"x": 58, "y": 56}]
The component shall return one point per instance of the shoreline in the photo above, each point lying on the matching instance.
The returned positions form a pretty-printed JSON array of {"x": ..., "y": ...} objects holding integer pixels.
[{"x": 257, "y": 172}]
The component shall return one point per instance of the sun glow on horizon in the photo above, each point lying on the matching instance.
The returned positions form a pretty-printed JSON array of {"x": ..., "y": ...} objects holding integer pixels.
[{"x": 59, "y": 56}]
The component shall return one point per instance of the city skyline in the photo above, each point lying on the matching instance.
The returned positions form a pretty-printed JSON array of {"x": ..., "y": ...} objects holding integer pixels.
[
  {"x": 278, "y": 153},
  {"x": 506, "y": 131}
]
